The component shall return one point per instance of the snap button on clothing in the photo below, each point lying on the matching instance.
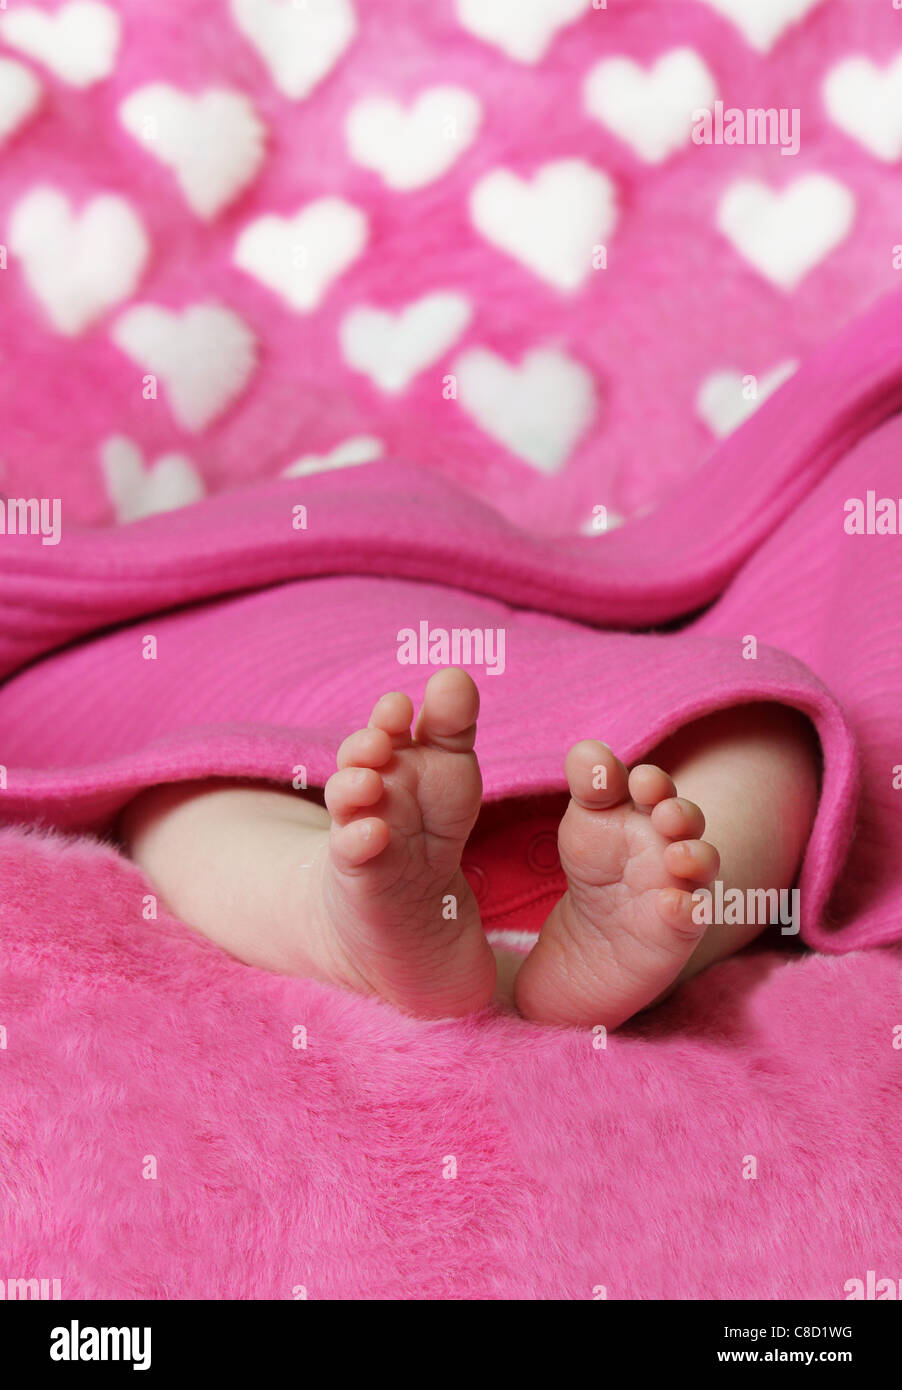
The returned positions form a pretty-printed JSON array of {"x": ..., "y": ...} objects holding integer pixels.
[
  {"x": 477, "y": 880},
  {"x": 541, "y": 853}
]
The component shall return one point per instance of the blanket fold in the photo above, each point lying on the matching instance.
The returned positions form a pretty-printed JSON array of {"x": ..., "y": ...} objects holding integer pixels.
[{"x": 276, "y": 618}]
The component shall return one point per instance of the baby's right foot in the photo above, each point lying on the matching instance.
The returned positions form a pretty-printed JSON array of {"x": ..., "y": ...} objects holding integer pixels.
[{"x": 397, "y": 918}]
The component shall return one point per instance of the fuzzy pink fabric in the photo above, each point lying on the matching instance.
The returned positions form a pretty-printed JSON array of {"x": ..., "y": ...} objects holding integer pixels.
[
  {"x": 678, "y": 305},
  {"x": 281, "y": 1168},
  {"x": 164, "y": 1134}
]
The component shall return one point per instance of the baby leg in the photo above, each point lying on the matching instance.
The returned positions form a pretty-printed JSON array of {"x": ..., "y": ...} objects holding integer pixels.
[{"x": 366, "y": 891}]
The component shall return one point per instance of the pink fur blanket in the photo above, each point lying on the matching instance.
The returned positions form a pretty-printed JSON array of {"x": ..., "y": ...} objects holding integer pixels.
[{"x": 208, "y": 263}]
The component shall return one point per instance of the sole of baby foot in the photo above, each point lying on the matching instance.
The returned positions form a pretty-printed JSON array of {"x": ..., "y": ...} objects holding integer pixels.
[
  {"x": 398, "y": 917},
  {"x": 632, "y": 853}
]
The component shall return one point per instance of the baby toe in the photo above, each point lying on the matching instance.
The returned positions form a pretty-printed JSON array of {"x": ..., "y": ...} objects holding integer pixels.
[
  {"x": 649, "y": 785},
  {"x": 693, "y": 859},
  {"x": 393, "y": 713},
  {"x": 356, "y": 843},
  {"x": 596, "y": 778},
  {"x": 351, "y": 789},
  {"x": 676, "y": 908},
  {"x": 678, "y": 819},
  {"x": 450, "y": 710},
  {"x": 365, "y": 748}
]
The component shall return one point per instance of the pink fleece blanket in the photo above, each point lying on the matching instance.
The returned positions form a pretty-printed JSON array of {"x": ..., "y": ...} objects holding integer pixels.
[{"x": 177, "y": 1124}]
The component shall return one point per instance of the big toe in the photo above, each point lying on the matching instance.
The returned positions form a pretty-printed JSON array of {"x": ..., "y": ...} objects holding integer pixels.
[
  {"x": 450, "y": 710},
  {"x": 596, "y": 778}
]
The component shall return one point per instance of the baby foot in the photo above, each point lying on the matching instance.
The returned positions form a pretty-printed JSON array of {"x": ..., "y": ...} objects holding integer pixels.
[
  {"x": 402, "y": 920},
  {"x": 623, "y": 930}
]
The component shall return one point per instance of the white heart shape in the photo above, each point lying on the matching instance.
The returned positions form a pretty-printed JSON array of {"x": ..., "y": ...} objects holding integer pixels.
[
  {"x": 538, "y": 409},
  {"x": 651, "y": 110},
  {"x": 204, "y": 355},
  {"x": 761, "y": 22},
  {"x": 550, "y": 225},
  {"x": 362, "y": 448},
  {"x": 299, "y": 43},
  {"x": 410, "y": 148},
  {"x": 392, "y": 348},
  {"x": 299, "y": 257},
  {"x": 77, "y": 266},
  {"x": 783, "y": 235},
  {"x": 865, "y": 101},
  {"x": 136, "y": 491},
  {"x": 78, "y": 43},
  {"x": 213, "y": 142},
  {"x": 20, "y": 93},
  {"x": 724, "y": 402},
  {"x": 523, "y": 29}
]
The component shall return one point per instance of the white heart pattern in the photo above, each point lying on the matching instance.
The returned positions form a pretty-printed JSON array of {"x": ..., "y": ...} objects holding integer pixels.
[
  {"x": 299, "y": 43},
  {"x": 784, "y": 235},
  {"x": 362, "y": 448},
  {"x": 136, "y": 491},
  {"x": 392, "y": 348},
  {"x": 204, "y": 355},
  {"x": 550, "y": 225},
  {"x": 299, "y": 257},
  {"x": 763, "y": 22},
  {"x": 537, "y": 410},
  {"x": 78, "y": 43},
  {"x": 725, "y": 401},
  {"x": 865, "y": 101},
  {"x": 651, "y": 110},
  {"x": 523, "y": 29},
  {"x": 20, "y": 94},
  {"x": 214, "y": 142},
  {"x": 78, "y": 267},
  {"x": 410, "y": 148}
]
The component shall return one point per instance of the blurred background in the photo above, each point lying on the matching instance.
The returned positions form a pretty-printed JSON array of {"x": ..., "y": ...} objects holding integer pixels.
[{"x": 245, "y": 238}]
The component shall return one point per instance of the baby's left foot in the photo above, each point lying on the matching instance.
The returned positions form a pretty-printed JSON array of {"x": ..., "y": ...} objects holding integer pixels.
[{"x": 623, "y": 931}]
